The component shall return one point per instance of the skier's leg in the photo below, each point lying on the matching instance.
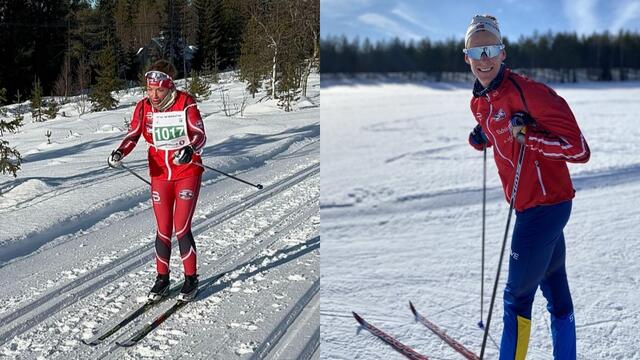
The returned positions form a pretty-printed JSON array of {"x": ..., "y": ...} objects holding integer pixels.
[
  {"x": 555, "y": 289},
  {"x": 163, "y": 198},
  {"x": 534, "y": 237},
  {"x": 186, "y": 194}
]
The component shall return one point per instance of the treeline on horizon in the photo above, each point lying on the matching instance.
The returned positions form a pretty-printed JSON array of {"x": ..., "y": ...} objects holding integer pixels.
[{"x": 560, "y": 51}]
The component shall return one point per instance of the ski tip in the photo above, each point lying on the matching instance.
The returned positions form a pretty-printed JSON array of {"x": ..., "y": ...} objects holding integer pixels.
[
  {"x": 357, "y": 317},
  {"x": 90, "y": 343},
  {"x": 413, "y": 309},
  {"x": 125, "y": 344}
]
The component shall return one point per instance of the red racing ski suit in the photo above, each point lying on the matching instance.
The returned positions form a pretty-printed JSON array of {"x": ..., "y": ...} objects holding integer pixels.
[{"x": 174, "y": 188}]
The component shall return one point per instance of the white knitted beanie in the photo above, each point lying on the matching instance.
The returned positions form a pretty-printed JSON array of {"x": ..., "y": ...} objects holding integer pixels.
[{"x": 483, "y": 23}]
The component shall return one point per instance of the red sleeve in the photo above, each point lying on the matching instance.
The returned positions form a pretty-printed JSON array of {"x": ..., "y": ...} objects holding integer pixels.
[
  {"x": 477, "y": 146},
  {"x": 135, "y": 130},
  {"x": 195, "y": 125},
  {"x": 556, "y": 135}
]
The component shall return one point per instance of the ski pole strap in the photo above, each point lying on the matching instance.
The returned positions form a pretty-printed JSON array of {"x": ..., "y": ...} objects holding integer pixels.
[{"x": 258, "y": 186}]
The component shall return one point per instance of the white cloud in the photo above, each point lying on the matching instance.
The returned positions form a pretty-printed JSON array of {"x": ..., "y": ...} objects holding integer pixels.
[
  {"x": 624, "y": 13},
  {"x": 342, "y": 8},
  {"x": 424, "y": 22},
  {"x": 388, "y": 26},
  {"x": 582, "y": 15},
  {"x": 405, "y": 13}
]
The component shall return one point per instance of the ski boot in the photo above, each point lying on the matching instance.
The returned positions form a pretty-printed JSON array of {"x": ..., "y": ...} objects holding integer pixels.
[
  {"x": 189, "y": 288},
  {"x": 161, "y": 288}
]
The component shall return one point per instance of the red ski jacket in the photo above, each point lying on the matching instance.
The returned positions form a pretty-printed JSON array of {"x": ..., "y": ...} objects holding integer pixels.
[
  {"x": 554, "y": 140},
  {"x": 161, "y": 166}
]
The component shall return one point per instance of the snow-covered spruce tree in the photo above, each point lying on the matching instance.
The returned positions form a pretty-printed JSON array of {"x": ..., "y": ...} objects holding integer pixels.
[
  {"x": 5, "y": 125},
  {"x": 107, "y": 81},
  {"x": 52, "y": 109},
  {"x": 36, "y": 101},
  {"x": 198, "y": 87},
  {"x": 9, "y": 157}
]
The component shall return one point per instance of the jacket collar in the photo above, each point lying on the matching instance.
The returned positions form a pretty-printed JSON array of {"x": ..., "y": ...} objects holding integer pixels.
[{"x": 479, "y": 90}]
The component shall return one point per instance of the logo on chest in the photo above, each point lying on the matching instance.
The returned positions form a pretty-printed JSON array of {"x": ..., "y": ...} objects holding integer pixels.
[
  {"x": 499, "y": 116},
  {"x": 149, "y": 123}
]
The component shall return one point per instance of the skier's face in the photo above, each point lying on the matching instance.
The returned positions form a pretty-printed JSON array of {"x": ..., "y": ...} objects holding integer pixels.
[
  {"x": 485, "y": 68},
  {"x": 156, "y": 94}
]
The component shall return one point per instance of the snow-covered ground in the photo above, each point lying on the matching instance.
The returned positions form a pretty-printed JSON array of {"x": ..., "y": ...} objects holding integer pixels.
[
  {"x": 76, "y": 238},
  {"x": 401, "y": 220}
]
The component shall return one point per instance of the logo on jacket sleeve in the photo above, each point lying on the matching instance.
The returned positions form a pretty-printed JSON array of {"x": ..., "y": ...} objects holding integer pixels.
[
  {"x": 185, "y": 194},
  {"x": 499, "y": 116}
]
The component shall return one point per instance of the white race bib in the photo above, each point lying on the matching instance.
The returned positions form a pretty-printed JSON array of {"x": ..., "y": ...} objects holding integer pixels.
[{"x": 170, "y": 130}]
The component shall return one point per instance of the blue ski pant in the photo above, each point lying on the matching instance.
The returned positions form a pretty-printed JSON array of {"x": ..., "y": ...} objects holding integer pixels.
[{"x": 538, "y": 259}]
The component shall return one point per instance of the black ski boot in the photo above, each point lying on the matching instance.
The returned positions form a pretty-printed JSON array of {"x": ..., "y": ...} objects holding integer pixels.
[
  {"x": 189, "y": 288},
  {"x": 161, "y": 288}
]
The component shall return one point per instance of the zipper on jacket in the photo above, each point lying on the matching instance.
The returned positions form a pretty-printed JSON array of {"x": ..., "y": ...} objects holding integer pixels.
[
  {"x": 495, "y": 143},
  {"x": 166, "y": 162},
  {"x": 544, "y": 192}
]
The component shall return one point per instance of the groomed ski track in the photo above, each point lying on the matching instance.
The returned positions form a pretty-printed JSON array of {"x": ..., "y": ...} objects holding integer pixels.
[{"x": 105, "y": 270}]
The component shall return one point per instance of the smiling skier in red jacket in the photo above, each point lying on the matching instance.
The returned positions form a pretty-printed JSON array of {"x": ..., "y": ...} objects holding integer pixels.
[
  {"x": 170, "y": 122},
  {"x": 510, "y": 111}
]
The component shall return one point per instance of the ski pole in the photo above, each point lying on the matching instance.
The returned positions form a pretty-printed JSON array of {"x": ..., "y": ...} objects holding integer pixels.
[
  {"x": 132, "y": 172},
  {"x": 516, "y": 180},
  {"x": 259, "y": 186},
  {"x": 484, "y": 215}
]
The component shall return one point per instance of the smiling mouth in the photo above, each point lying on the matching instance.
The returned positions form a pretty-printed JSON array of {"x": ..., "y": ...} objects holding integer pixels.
[{"x": 485, "y": 69}]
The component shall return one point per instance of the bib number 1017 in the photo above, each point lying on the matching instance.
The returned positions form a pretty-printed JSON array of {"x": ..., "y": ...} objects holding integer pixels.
[{"x": 168, "y": 132}]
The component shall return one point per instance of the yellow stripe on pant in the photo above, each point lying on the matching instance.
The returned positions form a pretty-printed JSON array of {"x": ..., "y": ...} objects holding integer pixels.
[{"x": 522, "y": 343}]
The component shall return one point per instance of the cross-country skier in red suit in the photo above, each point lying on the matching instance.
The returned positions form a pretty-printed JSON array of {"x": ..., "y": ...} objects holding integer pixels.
[
  {"x": 170, "y": 122},
  {"x": 513, "y": 113}
]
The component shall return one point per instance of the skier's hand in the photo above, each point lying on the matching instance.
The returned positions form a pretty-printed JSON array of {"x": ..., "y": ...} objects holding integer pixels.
[
  {"x": 518, "y": 122},
  {"x": 477, "y": 138},
  {"x": 183, "y": 156},
  {"x": 114, "y": 159}
]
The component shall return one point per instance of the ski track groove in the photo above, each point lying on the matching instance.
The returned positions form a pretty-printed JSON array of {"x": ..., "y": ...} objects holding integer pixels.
[
  {"x": 230, "y": 266},
  {"x": 279, "y": 331},
  {"x": 65, "y": 296}
]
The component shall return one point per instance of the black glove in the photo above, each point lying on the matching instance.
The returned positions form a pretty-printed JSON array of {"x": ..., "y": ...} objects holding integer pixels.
[
  {"x": 114, "y": 159},
  {"x": 518, "y": 121},
  {"x": 477, "y": 137},
  {"x": 183, "y": 156}
]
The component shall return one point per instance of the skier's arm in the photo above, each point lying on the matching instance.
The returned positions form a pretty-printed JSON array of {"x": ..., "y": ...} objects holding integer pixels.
[
  {"x": 556, "y": 134},
  {"x": 195, "y": 126},
  {"x": 135, "y": 130},
  {"x": 477, "y": 138}
]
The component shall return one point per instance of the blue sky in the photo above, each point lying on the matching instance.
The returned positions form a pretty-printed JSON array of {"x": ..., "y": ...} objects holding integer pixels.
[{"x": 445, "y": 19}]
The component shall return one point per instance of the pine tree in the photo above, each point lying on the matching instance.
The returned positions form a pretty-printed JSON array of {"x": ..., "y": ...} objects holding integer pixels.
[
  {"x": 3, "y": 100},
  {"x": 9, "y": 157},
  {"x": 107, "y": 82},
  {"x": 52, "y": 109},
  {"x": 198, "y": 87},
  {"x": 12, "y": 125},
  {"x": 253, "y": 59},
  {"x": 209, "y": 34},
  {"x": 36, "y": 101}
]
